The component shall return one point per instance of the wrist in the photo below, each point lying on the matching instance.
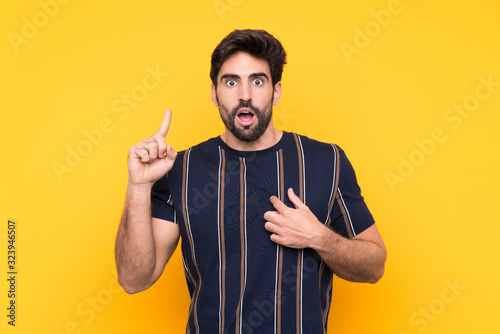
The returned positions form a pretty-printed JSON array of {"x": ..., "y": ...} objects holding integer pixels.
[
  {"x": 139, "y": 190},
  {"x": 324, "y": 239}
]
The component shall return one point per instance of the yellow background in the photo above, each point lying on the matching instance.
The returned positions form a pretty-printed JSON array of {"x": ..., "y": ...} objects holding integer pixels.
[{"x": 440, "y": 221}]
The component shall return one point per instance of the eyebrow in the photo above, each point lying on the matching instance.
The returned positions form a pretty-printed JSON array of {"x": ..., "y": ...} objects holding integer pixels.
[
  {"x": 236, "y": 76},
  {"x": 259, "y": 74},
  {"x": 229, "y": 75}
]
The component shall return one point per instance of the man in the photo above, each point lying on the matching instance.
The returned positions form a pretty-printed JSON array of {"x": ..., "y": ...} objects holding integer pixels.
[{"x": 266, "y": 217}]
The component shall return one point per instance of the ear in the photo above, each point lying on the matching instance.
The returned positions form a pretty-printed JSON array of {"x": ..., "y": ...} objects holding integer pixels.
[
  {"x": 214, "y": 96},
  {"x": 277, "y": 93}
]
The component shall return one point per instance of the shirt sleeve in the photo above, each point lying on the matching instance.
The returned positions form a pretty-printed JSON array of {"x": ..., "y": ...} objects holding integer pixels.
[
  {"x": 350, "y": 213},
  {"x": 161, "y": 201}
]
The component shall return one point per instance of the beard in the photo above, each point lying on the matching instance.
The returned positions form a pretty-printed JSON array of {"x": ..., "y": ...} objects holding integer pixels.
[{"x": 247, "y": 133}]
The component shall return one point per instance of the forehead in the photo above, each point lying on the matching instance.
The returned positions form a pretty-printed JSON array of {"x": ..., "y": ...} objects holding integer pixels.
[{"x": 244, "y": 64}]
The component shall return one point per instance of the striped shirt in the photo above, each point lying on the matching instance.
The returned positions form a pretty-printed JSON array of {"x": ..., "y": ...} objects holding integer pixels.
[{"x": 239, "y": 280}]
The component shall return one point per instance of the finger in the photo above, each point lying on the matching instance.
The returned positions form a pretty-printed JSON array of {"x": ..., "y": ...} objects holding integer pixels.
[
  {"x": 272, "y": 216},
  {"x": 270, "y": 227},
  {"x": 276, "y": 239},
  {"x": 139, "y": 153},
  {"x": 150, "y": 147},
  {"x": 278, "y": 204},
  {"x": 144, "y": 155},
  {"x": 162, "y": 145},
  {"x": 166, "y": 122},
  {"x": 170, "y": 154},
  {"x": 294, "y": 199}
]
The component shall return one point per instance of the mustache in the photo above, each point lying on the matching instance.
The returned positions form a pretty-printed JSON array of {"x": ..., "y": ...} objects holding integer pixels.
[{"x": 245, "y": 104}]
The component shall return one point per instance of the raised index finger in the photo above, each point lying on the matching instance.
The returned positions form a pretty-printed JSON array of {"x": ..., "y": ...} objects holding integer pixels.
[{"x": 166, "y": 123}]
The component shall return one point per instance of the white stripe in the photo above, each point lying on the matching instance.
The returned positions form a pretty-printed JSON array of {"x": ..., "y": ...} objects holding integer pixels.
[
  {"x": 301, "y": 287},
  {"x": 277, "y": 250},
  {"x": 220, "y": 252},
  {"x": 331, "y": 193},
  {"x": 333, "y": 184},
  {"x": 190, "y": 278},
  {"x": 278, "y": 173},
  {"x": 189, "y": 228},
  {"x": 304, "y": 200},
  {"x": 186, "y": 269},
  {"x": 245, "y": 229},
  {"x": 303, "y": 169},
  {"x": 276, "y": 288},
  {"x": 328, "y": 302},
  {"x": 321, "y": 264},
  {"x": 347, "y": 211}
]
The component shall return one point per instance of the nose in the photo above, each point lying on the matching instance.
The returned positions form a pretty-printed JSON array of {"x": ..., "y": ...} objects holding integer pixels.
[{"x": 245, "y": 92}]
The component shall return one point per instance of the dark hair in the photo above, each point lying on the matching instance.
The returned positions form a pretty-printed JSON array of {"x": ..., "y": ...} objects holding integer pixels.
[{"x": 258, "y": 43}]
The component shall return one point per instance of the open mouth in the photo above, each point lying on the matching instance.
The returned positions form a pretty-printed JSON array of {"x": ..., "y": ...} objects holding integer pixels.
[{"x": 245, "y": 116}]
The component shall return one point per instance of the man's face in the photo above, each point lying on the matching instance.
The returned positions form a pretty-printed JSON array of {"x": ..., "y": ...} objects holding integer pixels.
[{"x": 245, "y": 96}]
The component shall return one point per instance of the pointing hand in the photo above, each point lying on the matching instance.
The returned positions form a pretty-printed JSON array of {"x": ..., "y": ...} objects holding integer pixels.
[{"x": 152, "y": 158}]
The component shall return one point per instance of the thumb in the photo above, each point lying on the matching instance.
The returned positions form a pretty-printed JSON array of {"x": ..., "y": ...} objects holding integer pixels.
[{"x": 170, "y": 155}]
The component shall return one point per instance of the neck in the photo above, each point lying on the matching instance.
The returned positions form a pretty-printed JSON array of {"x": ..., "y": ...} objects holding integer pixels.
[{"x": 269, "y": 138}]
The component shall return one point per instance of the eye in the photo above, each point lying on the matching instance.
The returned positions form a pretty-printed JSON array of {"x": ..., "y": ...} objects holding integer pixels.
[
  {"x": 231, "y": 83},
  {"x": 258, "y": 82}
]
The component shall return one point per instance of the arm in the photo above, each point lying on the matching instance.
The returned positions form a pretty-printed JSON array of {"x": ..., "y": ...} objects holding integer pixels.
[
  {"x": 144, "y": 244},
  {"x": 361, "y": 259}
]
